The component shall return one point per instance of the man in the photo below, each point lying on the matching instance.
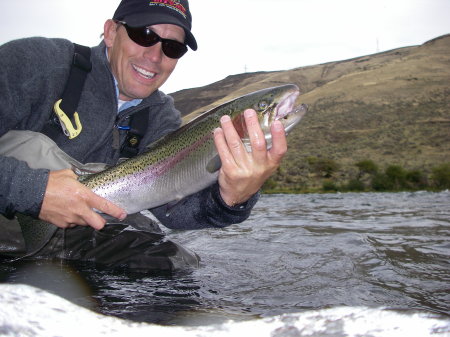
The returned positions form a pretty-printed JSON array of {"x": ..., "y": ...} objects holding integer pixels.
[{"x": 141, "y": 47}]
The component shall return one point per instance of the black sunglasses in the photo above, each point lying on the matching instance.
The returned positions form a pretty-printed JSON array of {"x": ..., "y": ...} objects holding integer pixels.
[{"x": 146, "y": 37}]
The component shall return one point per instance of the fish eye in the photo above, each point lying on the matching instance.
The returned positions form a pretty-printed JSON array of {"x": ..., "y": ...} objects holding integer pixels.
[{"x": 262, "y": 105}]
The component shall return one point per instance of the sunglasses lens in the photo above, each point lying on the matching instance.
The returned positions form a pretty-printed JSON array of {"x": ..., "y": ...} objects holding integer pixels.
[
  {"x": 145, "y": 37},
  {"x": 173, "y": 49}
]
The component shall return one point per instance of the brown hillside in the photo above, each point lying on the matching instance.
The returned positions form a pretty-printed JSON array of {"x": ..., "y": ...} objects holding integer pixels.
[{"x": 391, "y": 107}]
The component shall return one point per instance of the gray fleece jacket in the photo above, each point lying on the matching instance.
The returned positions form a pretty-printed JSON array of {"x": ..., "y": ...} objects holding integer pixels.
[{"x": 33, "y": 73}]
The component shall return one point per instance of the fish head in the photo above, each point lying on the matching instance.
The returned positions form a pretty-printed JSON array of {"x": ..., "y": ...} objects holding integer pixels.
[{"x": 271, "y": 104}]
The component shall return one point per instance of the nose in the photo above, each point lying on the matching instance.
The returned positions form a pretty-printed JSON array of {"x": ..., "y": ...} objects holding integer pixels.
[{"x": 154, "y": 53}]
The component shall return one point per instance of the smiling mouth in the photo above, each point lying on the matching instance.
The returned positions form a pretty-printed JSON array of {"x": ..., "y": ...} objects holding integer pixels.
[{"x": 144, "y": 73}]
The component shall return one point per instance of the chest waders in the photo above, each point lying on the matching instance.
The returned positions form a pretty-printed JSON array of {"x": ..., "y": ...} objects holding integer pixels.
[
  {"x": 141, "y": 247},
  {"x": 137, "y": 242}
]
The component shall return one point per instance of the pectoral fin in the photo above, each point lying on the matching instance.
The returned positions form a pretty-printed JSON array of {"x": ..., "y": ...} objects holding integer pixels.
[
  {"x": 214, "y": 164},
  {"x": 174, "y": 203}
]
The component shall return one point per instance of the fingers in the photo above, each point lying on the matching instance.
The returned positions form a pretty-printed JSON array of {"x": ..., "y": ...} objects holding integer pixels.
[
  {"x": 279, "y": 142},
  {"x": 257, "y": 139},
  {"x": 228, "y": 143},
  {"x": 242, "y": 174},
  {"x": 93, "y": 219},
  {"x": 105, "y": 206},
  {"x": 222, "y": 147},
  {"x": 233, "y": 152},
  {"x": 260, "y": 154},
  {"x": 67, "y": 202}
]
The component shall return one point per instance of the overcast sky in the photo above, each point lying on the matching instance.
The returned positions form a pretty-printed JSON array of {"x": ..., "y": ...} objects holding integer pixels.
[{"x": 237, "y": 36}]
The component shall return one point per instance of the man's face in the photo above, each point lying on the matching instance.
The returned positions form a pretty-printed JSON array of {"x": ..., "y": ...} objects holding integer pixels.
[{"x": 139, "y": 71}]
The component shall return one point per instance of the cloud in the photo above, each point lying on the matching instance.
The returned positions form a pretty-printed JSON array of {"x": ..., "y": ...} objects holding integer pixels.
[{"x": 235, "y": 36}]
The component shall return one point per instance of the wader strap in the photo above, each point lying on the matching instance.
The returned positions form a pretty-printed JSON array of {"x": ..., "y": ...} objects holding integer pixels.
[
  {"x": 65, "y": 109},
  {"x": 135, "y": 132}
]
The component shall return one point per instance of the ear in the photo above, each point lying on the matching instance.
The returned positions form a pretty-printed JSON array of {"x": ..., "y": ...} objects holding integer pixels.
[{"x": 109, "y": 32}]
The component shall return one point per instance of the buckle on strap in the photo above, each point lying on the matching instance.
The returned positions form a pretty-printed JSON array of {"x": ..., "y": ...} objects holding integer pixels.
[{"x": 66, "y": 124}]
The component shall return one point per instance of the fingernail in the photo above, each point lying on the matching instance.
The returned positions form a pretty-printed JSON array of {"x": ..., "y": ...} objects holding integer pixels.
[
  {"x": 123, "y": 216},
  {"x": 225, "y": 118},
  {"x": 249, "y": 113},
  {"x": 278, "y": 126}
]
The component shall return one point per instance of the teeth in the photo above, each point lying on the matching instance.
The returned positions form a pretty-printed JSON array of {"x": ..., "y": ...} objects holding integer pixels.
[{"x": 144, "y": 73}]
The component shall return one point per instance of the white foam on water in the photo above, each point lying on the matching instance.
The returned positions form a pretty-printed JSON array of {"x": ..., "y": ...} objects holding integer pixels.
[{"x": 29, "y": 311}]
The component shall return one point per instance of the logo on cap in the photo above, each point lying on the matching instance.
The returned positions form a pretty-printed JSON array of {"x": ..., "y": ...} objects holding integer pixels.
[{"x": 171, "y": 4}]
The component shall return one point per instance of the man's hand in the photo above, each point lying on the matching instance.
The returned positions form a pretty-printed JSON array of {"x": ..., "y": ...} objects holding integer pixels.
[
  {"x": 242, "y": 174},
  {"x": 67, "y": 203}
]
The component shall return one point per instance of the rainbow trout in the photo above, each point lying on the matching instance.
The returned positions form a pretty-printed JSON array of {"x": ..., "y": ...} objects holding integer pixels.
[{"x": 186, "y": 161}]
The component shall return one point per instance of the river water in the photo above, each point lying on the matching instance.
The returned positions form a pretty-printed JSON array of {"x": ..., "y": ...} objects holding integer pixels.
[{"x": 296, "y": 253}]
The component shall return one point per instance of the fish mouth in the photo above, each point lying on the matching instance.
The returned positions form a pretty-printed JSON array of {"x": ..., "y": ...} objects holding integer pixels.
[
  {"x": 294, "y": 117},
  {"x": 286, "y": 105}
]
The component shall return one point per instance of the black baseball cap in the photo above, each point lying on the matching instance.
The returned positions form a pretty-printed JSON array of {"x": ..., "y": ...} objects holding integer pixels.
[{"x": 139, "y": 13}]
